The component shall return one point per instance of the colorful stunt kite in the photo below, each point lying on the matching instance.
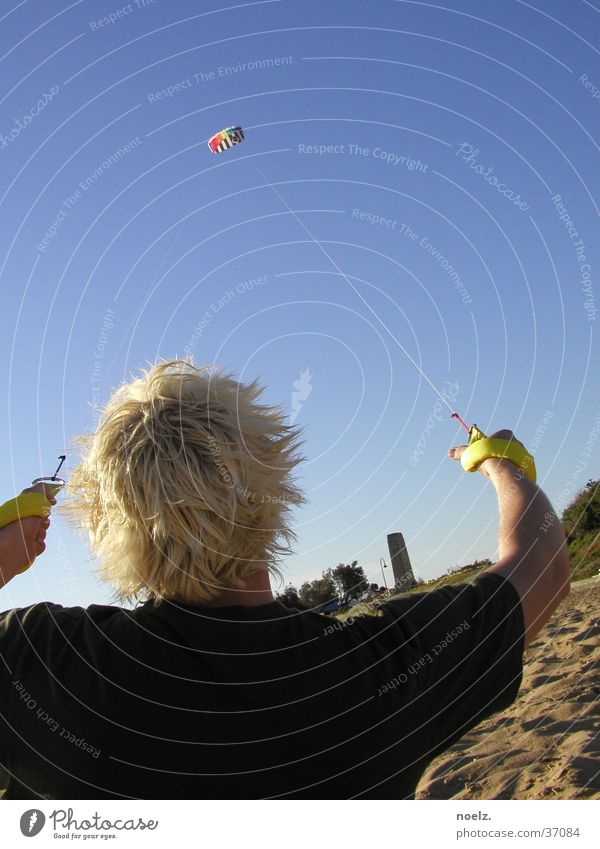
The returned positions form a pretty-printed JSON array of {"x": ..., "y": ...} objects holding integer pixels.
[{"x": 225, "y": 138}]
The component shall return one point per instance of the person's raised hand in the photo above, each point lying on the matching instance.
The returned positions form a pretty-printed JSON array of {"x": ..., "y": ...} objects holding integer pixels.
[
  {"x": 23, "y": 540},
  {"x": 492, "y": 462}
]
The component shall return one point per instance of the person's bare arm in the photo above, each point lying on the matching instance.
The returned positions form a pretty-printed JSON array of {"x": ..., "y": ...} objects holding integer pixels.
[{"x": 532, "y": 547}]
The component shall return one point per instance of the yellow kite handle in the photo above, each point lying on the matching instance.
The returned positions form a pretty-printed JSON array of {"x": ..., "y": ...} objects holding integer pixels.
[
  {"x": 23, "y": 506},
  {"x": 482, "y": 447}
]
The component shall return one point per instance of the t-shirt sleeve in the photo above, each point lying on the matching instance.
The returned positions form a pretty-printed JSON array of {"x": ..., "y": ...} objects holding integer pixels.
[
  {"x": 468, "y": 642},
  {"x": 22, "y": 631},
  {"x": 17, "y": 628}
]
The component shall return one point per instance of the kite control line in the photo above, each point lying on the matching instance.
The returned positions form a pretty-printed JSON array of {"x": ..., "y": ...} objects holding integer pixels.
[{"x": 480, "y": 447}]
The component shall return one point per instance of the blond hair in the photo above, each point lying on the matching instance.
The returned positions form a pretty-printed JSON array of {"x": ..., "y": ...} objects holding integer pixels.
[{"x": 185, "y": 487}]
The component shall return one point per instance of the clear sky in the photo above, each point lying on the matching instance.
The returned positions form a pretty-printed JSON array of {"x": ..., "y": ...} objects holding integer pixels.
[{"x": 414, "y": 174}]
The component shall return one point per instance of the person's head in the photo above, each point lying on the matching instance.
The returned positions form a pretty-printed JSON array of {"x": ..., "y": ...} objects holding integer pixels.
[{"x": 186, "y": 488}]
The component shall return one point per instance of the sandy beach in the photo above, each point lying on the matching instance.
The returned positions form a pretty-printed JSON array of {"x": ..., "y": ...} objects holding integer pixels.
[{"x": 547, "y": 744}]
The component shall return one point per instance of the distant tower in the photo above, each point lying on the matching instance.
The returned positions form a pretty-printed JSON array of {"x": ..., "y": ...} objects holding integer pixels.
[{"x": 403, "y": 573}]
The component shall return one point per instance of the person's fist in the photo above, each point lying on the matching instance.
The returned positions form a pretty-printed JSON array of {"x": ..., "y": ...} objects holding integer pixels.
[
  {"x": 20, "y": 543},
  {"x": 45, "y": 488},
  {"x": 487, "y": 465},
  {"x": 23, "y": 540}
]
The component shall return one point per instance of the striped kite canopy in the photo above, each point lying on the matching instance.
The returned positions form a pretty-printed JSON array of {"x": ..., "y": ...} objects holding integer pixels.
[{"x": 225, "y": 138}]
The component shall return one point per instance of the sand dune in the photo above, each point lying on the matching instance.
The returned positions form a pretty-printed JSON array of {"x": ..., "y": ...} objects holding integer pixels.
[{"x": 547, "y": 744}]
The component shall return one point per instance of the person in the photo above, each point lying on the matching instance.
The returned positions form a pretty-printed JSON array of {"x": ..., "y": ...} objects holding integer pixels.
[{"x": 210, "y": 688}]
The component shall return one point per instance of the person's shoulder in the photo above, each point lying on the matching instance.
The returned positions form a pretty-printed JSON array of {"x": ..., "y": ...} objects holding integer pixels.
[
  {"x": 494, "y": 589},
  {"x": 31, "y": 612},
  {"x": 484, "y": 583},
  {"x": 49, "y": 612},
  {"x": 483, "y": 593}
]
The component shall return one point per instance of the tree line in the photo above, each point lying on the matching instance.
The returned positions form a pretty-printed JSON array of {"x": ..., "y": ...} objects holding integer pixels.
[
  {"x": 341, "y": 584},
  {"x": 581, "y": 521}
]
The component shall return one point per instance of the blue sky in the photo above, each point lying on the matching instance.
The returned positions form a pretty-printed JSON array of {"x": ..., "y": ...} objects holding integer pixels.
[{"x": 443, "y": 158}]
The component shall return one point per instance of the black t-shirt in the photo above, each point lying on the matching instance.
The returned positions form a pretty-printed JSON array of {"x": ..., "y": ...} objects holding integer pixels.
[{"x": 180, "y": 701}]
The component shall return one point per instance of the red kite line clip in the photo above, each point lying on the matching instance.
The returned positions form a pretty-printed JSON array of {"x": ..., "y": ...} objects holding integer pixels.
[{"x": 456, "y": 416}]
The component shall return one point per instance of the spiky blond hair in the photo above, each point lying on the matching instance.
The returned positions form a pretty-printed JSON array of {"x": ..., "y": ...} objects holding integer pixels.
[{"x": 186, "y": 485}]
